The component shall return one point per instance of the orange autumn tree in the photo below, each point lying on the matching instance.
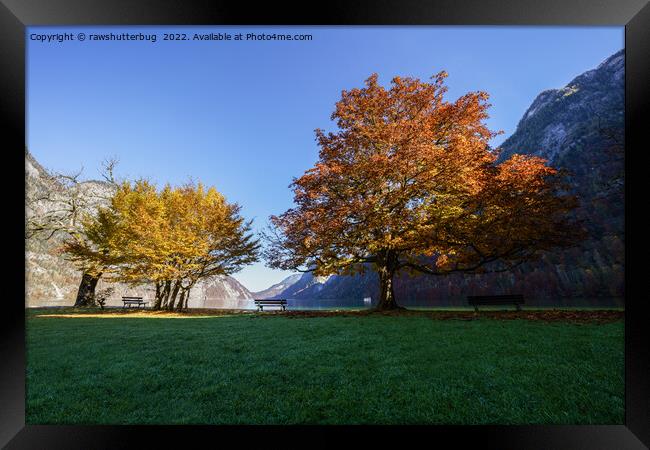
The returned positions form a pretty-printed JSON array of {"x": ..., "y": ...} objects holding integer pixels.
[{"x": 409, "y": 183}]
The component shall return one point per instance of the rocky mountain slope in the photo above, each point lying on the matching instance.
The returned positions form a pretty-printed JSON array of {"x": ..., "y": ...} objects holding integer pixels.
[
  {"x": 578, "y": 128},
  {"x": 278, "y": 288},
  {"x": 52, "y": 280},
  {"x": 560, "y": 122},
  {"x": 306, "y": 286}
]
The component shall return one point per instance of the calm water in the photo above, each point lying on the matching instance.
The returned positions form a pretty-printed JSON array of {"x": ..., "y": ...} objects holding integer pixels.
[{"x": 325, "y": 304}]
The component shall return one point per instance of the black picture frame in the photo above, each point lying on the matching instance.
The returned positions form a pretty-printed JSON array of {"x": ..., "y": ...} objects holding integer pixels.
[{"x": 15, "y": 15}]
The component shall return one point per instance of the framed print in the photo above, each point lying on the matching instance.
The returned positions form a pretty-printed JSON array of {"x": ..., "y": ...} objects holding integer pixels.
[{"x": 381, "y": 220}]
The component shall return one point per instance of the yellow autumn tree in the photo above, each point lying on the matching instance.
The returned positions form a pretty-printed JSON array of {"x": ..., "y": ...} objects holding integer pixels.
[{"x": 171, "y": 238}]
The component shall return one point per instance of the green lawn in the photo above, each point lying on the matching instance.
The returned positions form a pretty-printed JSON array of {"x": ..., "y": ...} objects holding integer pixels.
[{"x": 270, "y": 369}]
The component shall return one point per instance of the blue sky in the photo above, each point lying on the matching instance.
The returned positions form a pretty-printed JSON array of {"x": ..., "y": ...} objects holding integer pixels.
[{"x": 240, "y": 115}]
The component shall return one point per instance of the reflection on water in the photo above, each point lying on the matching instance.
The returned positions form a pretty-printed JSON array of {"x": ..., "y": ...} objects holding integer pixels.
[
  {"x": 220, "y": 303},
  {"x": 319, "y": 304}
]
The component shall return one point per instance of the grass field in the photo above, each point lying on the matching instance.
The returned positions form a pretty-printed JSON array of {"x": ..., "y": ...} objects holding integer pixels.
[{"x": 143, "y": 368}]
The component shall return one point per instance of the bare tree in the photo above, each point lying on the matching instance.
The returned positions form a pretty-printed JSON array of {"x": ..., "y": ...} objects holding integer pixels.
[{"x": 58, "y": 209}]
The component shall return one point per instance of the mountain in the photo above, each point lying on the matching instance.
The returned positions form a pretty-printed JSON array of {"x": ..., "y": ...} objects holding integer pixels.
[
  {"x": 278, "y": 288},
  {"x": 223, "y": 287},
  {"x": 563, "y": 122},
  {"x": 52, "y": 280},
  {"x": 307, "y": 286},
  {"x": 577, "y": 128},
  {"x": 580, "y": 128}
]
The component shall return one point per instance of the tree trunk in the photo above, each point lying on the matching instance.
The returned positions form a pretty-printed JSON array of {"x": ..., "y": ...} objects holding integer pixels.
[
  {"x": 86, "y": 292},
  {"x": 386, "y": 291},
  {"x": 161, "y": 302},
  {"x": 172, "y": 300},
  {"x": 168, "y": 292},
  {"x": 386, "y": 269},
  {"x": 179, "y": 307},
  {"x": 187, "y": 296},
  {"x": 158, "y": 295}
]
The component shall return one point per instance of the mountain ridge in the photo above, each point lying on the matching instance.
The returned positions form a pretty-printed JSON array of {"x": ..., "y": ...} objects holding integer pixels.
[{"x": 278, "y": 288}]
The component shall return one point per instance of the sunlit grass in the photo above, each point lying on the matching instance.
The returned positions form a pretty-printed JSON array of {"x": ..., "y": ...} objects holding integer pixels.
[
  {"x": 129, "y": 313},
  {"x": 277, "y": 369}
]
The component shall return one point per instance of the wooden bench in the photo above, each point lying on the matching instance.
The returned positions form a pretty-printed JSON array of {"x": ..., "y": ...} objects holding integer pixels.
[
  {"x": 282, "y": 303},
  {"x": 137, "y": 301},
  {"x": 484, "y": 300}
]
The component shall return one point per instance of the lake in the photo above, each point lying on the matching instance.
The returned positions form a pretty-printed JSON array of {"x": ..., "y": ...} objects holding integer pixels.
[{"x": 324, "y": 304}]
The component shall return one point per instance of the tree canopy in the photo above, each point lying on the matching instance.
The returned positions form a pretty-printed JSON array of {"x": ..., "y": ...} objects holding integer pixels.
[
  {"x": 409, "y": 182},
  {"x": 171, "y": 238}
]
